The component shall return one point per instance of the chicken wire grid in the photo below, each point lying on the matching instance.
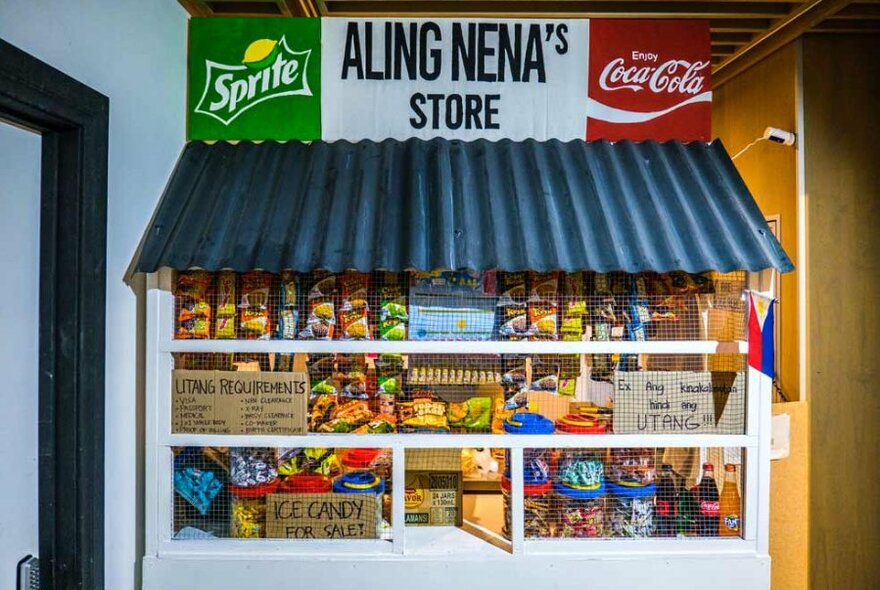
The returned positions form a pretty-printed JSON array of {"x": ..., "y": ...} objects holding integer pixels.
[
  {"x": 281, "y": 493},
  {"x": 629, "y": 493},
  {"x": 460, "y": 305},
  {"x": 464, "y": 393}
]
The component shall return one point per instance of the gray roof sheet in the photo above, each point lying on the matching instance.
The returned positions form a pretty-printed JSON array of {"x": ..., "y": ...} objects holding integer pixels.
[{"x": 443, "y": 204}]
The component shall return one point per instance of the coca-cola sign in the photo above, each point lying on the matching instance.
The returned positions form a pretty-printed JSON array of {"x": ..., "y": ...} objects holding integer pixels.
[{"x": 649, "y": 80}]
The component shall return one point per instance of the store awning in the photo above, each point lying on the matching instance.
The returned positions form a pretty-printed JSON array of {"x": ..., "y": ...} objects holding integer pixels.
[{"x": 443, "y": 204}]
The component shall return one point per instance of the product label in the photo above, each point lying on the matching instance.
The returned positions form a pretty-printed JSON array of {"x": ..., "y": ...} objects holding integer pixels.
[
  {"x": 709, "y": 508},
  {"x": 731, "y": 522},
  {"x": 666, "y": 508}
]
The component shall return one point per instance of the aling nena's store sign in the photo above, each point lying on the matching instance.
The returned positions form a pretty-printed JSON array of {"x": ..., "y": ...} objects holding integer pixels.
[{"x": 465, "y": 79}]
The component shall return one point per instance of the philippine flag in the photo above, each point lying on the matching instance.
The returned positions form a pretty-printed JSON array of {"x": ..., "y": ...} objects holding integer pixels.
[{"x": 762, "y": 353}]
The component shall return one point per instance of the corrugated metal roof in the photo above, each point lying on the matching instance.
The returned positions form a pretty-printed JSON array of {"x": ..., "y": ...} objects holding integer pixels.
[{"x": 443, "y": 204}]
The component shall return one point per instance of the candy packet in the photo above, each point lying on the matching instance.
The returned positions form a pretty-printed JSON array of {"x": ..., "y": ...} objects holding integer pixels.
[
  {"x": 351, "y": 375},
  {"x": 423, "y": 415},
  {"x": 574, "y": 306},
  {"x": 472, "y": 414}
]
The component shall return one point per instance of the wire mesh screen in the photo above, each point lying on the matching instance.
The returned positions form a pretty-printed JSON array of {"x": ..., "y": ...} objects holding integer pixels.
[
  {"x": 460, "y": 305},
  {"x": 450, "y": 393},
  {"x": 281, "y": 493},
  {"x": 634, "y": 493}
]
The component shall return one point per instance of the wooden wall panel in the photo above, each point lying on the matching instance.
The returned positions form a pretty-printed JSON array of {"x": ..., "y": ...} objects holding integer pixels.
[
  {"x": 764, "y": 96},
  {"x": 842, "y": 143}
]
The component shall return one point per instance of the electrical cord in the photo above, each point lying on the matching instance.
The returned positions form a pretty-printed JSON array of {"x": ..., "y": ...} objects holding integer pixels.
[{"x": 745, "y": 149}]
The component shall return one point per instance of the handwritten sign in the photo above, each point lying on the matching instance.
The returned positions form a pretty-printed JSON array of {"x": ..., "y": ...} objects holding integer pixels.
[
  {"x": 321, "y": 516},
  {"x": 687, "y": 402},
  {"x": 232, "y": 402}
]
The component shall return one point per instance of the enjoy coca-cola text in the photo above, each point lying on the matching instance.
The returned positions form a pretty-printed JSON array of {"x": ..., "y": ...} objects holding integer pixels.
[{"x": 672, "y": 76}]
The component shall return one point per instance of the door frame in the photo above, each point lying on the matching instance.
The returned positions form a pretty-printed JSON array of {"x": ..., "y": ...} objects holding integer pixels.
[{"x": 73, "y": 122}]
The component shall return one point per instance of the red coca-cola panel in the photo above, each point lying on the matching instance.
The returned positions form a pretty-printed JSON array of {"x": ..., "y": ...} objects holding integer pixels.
[{"x": 649, "y": 80}]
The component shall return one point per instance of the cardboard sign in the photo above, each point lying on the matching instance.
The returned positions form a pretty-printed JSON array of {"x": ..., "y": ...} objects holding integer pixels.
[
  {"x": 433, "y": 491},
  {"x": 456, "y": 78},
  {"x": 649, "y": 80},
  {"x": 672, "y": 402},
  {"x": 321, "y": 516},
  {"x": 238, "y": 402}
]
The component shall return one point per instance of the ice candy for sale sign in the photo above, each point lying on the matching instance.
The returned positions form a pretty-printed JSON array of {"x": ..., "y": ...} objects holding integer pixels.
[
  {"x": 649, "y": 80},
  {"x": 467, "y": 79}
]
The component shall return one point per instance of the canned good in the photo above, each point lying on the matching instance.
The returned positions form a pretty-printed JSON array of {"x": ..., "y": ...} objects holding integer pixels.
[{"x": 631, "y": 510}]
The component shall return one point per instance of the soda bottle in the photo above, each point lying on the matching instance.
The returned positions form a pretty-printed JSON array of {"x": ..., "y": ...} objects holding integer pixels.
[
  {"x": 707, "y": 496},
  {"x": 687, "y": 511},
  {"x": 664, "y": 516},
  {"x": 730, "y": 511}
]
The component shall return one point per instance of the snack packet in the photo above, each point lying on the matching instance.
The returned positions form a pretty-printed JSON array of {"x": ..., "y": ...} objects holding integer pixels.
[
  {"x": 512, "y": 306},
  {"x": 321, "y": 308},
  {"x": 393, "y": 313},
  {"x": 224, "y": 290},
  {"x": 193, "y": 307},
  {"x": 288, "y": 312},
  {"x": 351, "y": 375},
  {"x": 472, "y": 414},
  {"x": 354, "y": 311},
  {"x": 422, "y": 415},
  {"x": 574, "y": 306},
  {"x": 545, "y": 374},
  {"x": 379, "y": 424},
  {"x": 347, "y": 417},
  {"x": 254, "y": 305},
  {"x": 323, "y": 395},
  {"x": 543, "y": 305}
]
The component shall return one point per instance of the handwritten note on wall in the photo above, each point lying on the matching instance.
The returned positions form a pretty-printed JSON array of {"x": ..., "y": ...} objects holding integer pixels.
[
  {"x": 231, "y": 402},
  {"x": 673, "y": 402}
]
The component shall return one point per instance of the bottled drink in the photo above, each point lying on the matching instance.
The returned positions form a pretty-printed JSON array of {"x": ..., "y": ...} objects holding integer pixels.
[
  {"x": 730, "y": 511},
  {"x": 685, "y": 521},
  {"x": 667, "y": 508},
  {"x": 707, "y": 496}
]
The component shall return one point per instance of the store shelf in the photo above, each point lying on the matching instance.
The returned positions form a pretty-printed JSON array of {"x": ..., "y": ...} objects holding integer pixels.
[
  {"x": 456, "y": 441},
  {"x": 469, "y": 542},
  {"x": 456, "y": 347},
  {"x": 481, "y": 486}
]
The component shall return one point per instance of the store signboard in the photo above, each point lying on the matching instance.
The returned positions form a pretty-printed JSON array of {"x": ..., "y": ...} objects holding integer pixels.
[
  {"x": 354, "y": 79},
  {"x": 679, "y": 402},
  {"x": 238, "y": 402},
  {"x": 321, "y": 516}
]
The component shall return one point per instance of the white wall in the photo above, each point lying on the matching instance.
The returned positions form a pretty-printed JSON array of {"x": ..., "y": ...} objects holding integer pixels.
[
  {"x": 19, "y": 318},
  {"x": 134, "y": 52}
]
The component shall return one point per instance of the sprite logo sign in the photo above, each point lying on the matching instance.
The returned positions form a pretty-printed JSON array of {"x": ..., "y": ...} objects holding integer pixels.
[
  {"x": 254, "y": 79},
  {"x": 270, "y": 69}
]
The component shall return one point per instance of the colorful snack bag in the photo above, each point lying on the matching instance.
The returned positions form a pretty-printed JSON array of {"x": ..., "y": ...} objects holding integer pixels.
[
  {"x": 321, "y": 308},
  {"x": 288, "y": 312},
  {"x": 193, "y": 307},
  {"x": 354, "y": 312},
  {"x": 348, "y": 417},
  {"x": 254, "y": 306},
  {"x": 574, "y": 306},
  {"x": 224, "y": 291},
  {"x": 423, "y": 415},
  {"x": 603, "y": 318},
  {"x": 351, "y": 375},
  {"x": 543, "y": 305},
  {"x": 545, "y": 374},
  {"x": 472, "y": 414},
  {"x": 512, "y": 306},
  {"x": 323, "y": 395},
  {"x": 514, "y": 382},
  {"x": 569, "y": 371},
  {"x": 393, "y": 313}
]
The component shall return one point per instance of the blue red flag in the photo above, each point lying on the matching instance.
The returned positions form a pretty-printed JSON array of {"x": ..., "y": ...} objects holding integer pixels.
[{"x": 762, "y": 346}]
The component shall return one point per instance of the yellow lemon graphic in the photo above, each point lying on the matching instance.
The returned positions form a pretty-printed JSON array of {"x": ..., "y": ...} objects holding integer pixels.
[{"x": 260, "y": 53}]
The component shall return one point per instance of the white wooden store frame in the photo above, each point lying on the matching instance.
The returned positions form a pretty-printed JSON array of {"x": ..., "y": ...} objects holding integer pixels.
[{"x": 443, "y": 557}]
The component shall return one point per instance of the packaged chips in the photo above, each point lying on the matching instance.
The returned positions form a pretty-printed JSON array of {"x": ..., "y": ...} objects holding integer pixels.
[
  {"x": 543, "y": 305},
  {"x": 574, "y": 307},
  {"x": 288, "y": 312},
  {"x": 320, "y": 308},
  {"x": 224, "y": 326},
  {"x": 354, "y": 311},
  {"x": 513, "y": 321},
  {"x": 393, "y": 314},
  {"x": 193, "y": 306},
  {"x": 254, "y": 306}
]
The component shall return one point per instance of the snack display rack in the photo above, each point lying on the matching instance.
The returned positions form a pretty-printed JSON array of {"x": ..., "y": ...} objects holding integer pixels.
[{"x": 450, "y": 555}]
